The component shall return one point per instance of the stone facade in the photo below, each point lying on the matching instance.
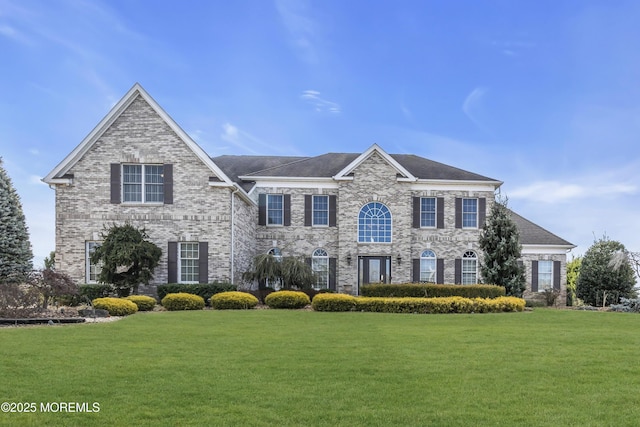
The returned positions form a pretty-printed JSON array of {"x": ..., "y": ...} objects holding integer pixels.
[{"x": 221, "y": 207}]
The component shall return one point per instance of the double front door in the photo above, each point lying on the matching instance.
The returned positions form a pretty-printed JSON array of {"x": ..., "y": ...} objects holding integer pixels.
[{"x": 374, "y": 269}]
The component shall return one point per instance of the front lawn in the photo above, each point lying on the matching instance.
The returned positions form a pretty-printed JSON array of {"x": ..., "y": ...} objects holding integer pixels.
[{"x": 273, "y": 367}]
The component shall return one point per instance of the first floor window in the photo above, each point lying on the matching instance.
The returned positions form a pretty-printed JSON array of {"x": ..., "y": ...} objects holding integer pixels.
[
  {"x": 143, "y": 183},
  {"x": 189, "y": 262},
  {"x": 92, "y": 271},
  {"x": 275, "y": 209},
  {"x": 469, "y": 268},
  {"x": 320, "y": 266},
  {"x": 469, "y": 213},
  {"x": 545, "y": 275},
  {"x": 277, "y": 254},
  {"x": 428, "y": 266}
]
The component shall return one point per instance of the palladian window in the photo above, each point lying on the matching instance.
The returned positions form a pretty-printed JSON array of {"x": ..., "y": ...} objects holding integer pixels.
[{"x": 374, "y": 223}]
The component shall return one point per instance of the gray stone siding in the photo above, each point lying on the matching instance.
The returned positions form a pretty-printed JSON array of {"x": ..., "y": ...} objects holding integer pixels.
[
  {"x": 198, "y": 213},
  {"x": 539, "y": 296}
]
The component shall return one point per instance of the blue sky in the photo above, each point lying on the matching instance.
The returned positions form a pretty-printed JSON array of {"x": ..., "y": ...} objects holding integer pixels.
[{"x": 542, "y": 95}]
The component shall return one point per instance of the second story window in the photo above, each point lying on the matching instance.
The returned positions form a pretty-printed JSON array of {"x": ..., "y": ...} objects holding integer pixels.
[
  {"x": 428, "y": 212},
  {"x": 374, "y": 223},
  {"x": 275, "y": 209},
  {"x": 469, "y": 213},
  {"x": 320, "y": 210},
  {"x": 142, "y": 184}
]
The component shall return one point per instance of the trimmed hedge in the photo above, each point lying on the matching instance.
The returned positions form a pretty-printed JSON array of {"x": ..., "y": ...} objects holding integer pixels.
[
  {"x": 430, "y": 290},
  {"x": 233, "y": 300},
  {"x": 287, "y": 299},
  {"x": 341, "y": 302},
  {"x": 440, "y": 305},
  {"x": 182, "y": 301},
  {"x": 205, "y": 290},
  {"x": 333, "y": 302},
  {"x": 115, "y": 306},
  {"x": 144, "y": 303}
]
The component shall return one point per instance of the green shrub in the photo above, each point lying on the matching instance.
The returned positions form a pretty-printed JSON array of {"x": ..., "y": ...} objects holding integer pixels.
[
  {"x": 429, "y": 290},
  {"x": 182, "y": 301},
  {"x": 333, "y": 302},
  {"x": 86, "y": 293},
  {"x": 233, "y": 300},
  {"x": 144, "y": 303},
  {"x": 287, "y": 299},
  {"x": 439, "y": 305},
  {"x": 115, "y": 306},
  {"x": 205, "y": 290}
]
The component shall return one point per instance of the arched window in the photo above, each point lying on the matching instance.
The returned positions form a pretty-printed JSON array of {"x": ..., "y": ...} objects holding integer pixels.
[
  {"x": 428, "y": 266},
  {"x": 320, "y": 266},
  {"x": 374, "y": 223},
  {"x": 276, "y": 252},
  {"x": 469, "y": 268}
]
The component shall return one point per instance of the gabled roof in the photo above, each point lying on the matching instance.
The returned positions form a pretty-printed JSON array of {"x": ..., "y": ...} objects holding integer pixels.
[
  {"x": 401, "y": 171},
  {"x": 533, "y": 234},
  {"x": 57, "y": 175},
  {"x": 339, "y": 166}
]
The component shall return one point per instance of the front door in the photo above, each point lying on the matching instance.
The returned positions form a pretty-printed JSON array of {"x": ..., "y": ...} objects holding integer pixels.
[{"x": 374, "y": 269}]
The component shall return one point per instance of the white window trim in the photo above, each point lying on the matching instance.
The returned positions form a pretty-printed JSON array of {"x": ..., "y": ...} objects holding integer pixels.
[
  {"x": 435, "y": 213},
  {"x": 87, "y": 263},
  {"x": 142, "y": 184},
  {"x": 462, "y": 272},
  {"x": 390, "y": 225},
  {"x": 324, "y": 258},
  {"x": 266, "y": 210},
  {"x": 550, "y": 275},
  {"x": 462, "y": 213},
  {"x": 180, "y": 262},
  {"x": 313, "y": 210},
  {"x": 435, "y": 264}
]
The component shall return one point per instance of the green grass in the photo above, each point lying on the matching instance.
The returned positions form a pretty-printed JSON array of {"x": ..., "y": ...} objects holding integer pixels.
[{"x": 272, "y": 367}]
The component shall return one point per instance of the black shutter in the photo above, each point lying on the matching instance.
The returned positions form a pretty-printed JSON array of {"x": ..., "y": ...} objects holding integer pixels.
[
  {"x": 115, "y": 183},
  {"x": 416, "y": 270},
  {"x": 458, "y": 271},
  {"x": 287, "y": 209},
  {"x": 482, "y": 211},
  {"x": 440, "y": 212},
  {"x": 262, "y": 209},
  {"x": 556, "y": 275},
  {"x": 332, "y": 273},
  {"x": 172, "y": 255},
  {"x": 308, "y": 210},
  {"x": 203, "y": 262},
  {"x": 332, "y": 211},
  {"x": 416, "y": 212},
  {"x": 534, "y": 276},
  {"x": 458, "y": 212},
  {"x": 439, "y": 271},
  {"x": 167, "y": 183}
]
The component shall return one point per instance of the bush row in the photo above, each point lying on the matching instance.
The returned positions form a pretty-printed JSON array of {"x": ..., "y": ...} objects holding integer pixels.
[
  {"x": 339, "y": 302},
  {"x": 430, "y": 290},
  {"x": 287, "y": 299},
  {"x": 205, "y": 290},
  {"x": 144, "y": 303},
  {"x": 182, "y": 301},
  {"x": 233, "y": 300}
]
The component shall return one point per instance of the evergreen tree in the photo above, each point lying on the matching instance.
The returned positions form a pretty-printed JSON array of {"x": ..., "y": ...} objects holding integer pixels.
[
  {"x": 127, "y": 258},
  {"x": 604, "y": 277},
  {"x": 573, "y": 272},
  {"x": 15, "y": 248},
  {"x": 500, "y": 243}
]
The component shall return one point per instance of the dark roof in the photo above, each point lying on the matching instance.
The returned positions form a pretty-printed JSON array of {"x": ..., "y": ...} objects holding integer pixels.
[
  {"x": 328, "y": 165},
  {"x": 533, "y": 234}
]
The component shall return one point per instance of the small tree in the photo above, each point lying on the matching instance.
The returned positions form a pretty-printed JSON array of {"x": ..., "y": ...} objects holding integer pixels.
[
  {"x": 297, "y": 274},
  {"x": 500, "y": 243},
  {"x": 604, "y": 277},
  {"x": 52, "y": 284},
  {"x": 287, "y": 272},
  {"x": 128, "y": 258},
  {"x": 573, "y": 271},
  {"x": 15, "y": 248}
]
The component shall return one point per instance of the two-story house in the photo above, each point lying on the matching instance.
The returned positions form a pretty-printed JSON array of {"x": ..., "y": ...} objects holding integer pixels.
[{"x": 356, "y": 217}]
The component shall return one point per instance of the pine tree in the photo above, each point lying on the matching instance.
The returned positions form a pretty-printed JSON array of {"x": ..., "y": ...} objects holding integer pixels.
[
  {"x": 602, "y": 281},
  {"x": 500, "y": 242},
  {"x": 15, "y": 248}
]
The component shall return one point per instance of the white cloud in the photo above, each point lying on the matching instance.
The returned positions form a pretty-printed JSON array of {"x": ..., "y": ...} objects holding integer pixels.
[
  {"x": 320, "y": 104},
  {"x": 249, "y": 143},
  {"x": 473, "y": 103},
  {"x": 558, "y": 192},
  {"x": 302, "y": 29}
]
